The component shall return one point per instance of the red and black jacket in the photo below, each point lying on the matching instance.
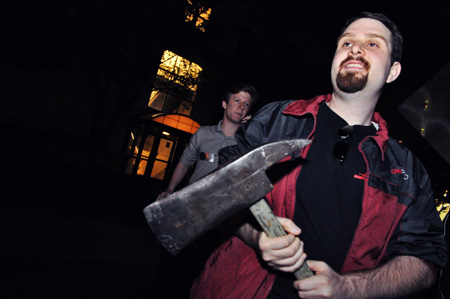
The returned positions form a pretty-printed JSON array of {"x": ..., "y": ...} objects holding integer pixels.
[{"x": 398, "y": 211}]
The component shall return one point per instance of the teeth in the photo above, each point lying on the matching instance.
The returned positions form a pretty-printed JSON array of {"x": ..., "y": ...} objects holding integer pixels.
[{"x": 355, "y": 65}]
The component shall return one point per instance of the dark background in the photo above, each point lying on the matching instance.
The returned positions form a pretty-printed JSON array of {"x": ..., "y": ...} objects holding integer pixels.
[{"x": 72, "y": 74}]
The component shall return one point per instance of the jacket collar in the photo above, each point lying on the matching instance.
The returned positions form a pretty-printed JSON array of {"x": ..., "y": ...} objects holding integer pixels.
[
  {"x": 302, "y": 107},
  {"x": 382, "y": 136}
]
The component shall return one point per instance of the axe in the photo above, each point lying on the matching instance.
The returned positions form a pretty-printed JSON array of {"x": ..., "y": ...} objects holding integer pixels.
[{"x": 185, "y": 215}]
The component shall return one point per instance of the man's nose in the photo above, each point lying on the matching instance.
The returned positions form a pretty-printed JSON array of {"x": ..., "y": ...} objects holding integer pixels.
[{"x": 357, "y": 49}]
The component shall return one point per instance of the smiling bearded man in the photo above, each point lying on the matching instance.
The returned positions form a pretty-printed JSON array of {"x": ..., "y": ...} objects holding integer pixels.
[{"x": 370, "y": 233}]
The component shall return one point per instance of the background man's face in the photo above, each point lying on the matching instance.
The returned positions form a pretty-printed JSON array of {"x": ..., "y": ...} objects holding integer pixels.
[{"x": 237, "y": 107}]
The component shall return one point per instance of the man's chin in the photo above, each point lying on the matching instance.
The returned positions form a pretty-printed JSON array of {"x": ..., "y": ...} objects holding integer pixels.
[
  {"x": 351, "y": 83},
  {"x": 236, "y": 120},
  {"x": 350, "y": 89}
]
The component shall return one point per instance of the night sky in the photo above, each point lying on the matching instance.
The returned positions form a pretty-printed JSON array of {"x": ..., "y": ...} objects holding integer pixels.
[
  {"x": 283, "y": 47},
  {"x": 62, "y": 59}
]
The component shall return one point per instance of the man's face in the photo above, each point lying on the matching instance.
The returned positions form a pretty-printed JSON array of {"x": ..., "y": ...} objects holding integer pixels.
[
  {"x": 237, "y": 107},
  {"x": 363, "y": 57}
]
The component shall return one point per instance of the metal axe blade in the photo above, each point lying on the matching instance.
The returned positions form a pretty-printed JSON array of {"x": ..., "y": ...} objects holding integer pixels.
[{"x": 185, "y": 215}]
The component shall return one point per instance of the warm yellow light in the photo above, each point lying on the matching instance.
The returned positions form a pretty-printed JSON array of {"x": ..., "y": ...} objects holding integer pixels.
[
  {"x": 179, "y": 122},
  {"x": 166, "y": 133},
  {"x": 443, "y": 209},
  {"x": 180, "y": 70},
  {"x": 198, "y": 14},
  {"x": 204, "y": 16}
]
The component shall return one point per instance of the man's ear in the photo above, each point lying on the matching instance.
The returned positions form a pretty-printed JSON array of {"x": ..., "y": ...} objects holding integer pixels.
[
  {"x": 394, "y": 72},
  {"x": 224, "y": 105}
]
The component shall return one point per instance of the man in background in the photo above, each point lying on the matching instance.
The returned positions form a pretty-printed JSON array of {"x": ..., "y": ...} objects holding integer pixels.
[{"x": 208, "y": 140}]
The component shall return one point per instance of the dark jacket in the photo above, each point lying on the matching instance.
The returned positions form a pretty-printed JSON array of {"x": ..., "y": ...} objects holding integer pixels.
[{"x": 398, "y": 211}]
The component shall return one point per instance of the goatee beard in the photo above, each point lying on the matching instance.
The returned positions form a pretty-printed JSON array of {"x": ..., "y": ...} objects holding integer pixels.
[{"x": 352, "y": 82}]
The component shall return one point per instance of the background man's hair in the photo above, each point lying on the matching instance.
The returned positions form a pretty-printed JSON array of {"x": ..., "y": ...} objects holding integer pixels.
[
  {"x": 396, "y": 36},
  {"x": 237, "y": 88}
]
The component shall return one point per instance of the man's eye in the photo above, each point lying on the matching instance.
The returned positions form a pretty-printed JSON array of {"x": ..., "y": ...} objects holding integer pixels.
[
  {"x": 346, "y": 44},
  {"x": 372, "y": 45}
]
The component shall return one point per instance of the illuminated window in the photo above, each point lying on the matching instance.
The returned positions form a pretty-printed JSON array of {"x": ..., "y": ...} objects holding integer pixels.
[
  {"x": 176, "y": 84},
  {"x": 179, "y": 122},
  {"x": 197, "y": 15}
]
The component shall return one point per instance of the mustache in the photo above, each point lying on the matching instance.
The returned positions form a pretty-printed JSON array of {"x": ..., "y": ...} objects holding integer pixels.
[{"x": 357, "y": 58}]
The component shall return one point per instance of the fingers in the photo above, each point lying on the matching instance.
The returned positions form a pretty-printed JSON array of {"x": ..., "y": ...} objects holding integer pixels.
[
  {"x": 320, "y": 285},
  {"x": 163, "y": 195},
  {"x": 246, "y": 119},
  {"x": 282, "y": 253},
  {"x": 314, "y": 287},
  {"x": 289, "y": 241}
]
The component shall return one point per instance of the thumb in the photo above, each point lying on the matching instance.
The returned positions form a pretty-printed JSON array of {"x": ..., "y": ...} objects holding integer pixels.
[
  {"x": 289, "y": 226},
  {"x": 317, "y": 266}
]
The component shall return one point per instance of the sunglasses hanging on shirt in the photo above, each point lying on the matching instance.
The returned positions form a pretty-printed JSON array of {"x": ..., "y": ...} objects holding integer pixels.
[{"x": 340, "y": 149}]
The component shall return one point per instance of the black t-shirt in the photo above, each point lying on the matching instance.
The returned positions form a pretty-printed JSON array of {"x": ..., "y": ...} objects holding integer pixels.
[{"x": 329, "y": 196}]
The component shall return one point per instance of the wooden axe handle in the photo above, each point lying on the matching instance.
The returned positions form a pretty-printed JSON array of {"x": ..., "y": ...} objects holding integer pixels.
[{"x": 273, "y": 228}]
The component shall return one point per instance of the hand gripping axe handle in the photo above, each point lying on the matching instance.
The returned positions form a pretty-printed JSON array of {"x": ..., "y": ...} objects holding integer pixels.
[
  {"x": 185, "y": 215},
  {"x": 273, "y": 228}
]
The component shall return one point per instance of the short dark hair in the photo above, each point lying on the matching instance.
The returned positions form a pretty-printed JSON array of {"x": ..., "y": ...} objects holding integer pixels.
[
  {"x": 396, "y": 36},
  {"x": 237, "y": 88}
]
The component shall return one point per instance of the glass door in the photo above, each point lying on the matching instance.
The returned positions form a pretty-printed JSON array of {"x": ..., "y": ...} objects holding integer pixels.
[
  {"x": 152, "y": 151},
  {"x": 163, "y": 158}
]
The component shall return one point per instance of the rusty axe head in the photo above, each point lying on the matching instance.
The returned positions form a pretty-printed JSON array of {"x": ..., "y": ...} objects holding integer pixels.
[{"x": 183, "y": 216}]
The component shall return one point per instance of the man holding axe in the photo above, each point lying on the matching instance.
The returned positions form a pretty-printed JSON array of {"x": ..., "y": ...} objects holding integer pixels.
[{"x": 363, "y": 202}]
